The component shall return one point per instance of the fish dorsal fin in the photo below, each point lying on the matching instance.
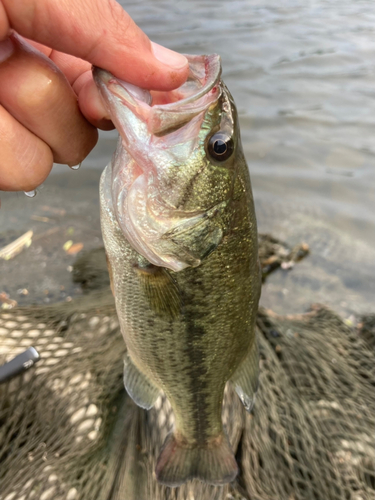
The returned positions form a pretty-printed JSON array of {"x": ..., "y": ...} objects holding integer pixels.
[
  {"x": 245, "y": 378},
  {"x": 142, "y": 391},
  {"x": 161, "y": 290}
]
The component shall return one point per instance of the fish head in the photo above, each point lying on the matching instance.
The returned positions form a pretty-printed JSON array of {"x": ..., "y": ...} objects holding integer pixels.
[{"x": 174, "y": 169}]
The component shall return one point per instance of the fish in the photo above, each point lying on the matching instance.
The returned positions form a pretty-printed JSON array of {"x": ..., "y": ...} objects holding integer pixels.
[{"x": 180, "y": 233}]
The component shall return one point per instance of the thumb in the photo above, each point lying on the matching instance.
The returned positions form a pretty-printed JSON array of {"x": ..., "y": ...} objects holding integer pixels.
[{"x": 100, "y": 32}]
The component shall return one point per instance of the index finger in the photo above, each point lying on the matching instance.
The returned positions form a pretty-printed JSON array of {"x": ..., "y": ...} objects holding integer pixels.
[{"x": 100, "y": 32}]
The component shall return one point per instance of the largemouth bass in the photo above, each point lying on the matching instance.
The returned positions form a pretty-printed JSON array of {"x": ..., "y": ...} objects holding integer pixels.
[{"x": 180, "y": 233}]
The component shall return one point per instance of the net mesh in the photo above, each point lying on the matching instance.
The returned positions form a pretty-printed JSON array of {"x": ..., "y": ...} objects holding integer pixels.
[{"x": 69, "y": 431}]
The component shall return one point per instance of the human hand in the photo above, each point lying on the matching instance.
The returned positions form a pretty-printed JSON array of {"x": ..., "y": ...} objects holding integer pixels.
[{"x": 49, "y": 104}]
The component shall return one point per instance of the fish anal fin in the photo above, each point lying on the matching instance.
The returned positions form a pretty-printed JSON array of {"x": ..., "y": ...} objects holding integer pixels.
[
  {"x": 161, "y": 290},
  {"x": 245, "y": 378},
  {"x": 142, "y": 391},
  {"x": 213, "y": 463}
]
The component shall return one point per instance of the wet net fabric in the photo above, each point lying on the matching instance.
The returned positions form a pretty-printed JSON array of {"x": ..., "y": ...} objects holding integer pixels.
[{"x": 69, "y": 431}]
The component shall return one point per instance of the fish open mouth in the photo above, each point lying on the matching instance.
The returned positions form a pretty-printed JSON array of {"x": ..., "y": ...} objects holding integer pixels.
[{"x": 164, "y": 111}]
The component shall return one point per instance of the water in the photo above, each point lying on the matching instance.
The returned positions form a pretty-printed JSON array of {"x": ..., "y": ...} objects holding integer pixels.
[
  {"x": 303, "y": 78},
  {"x": 30, "y": 194}
]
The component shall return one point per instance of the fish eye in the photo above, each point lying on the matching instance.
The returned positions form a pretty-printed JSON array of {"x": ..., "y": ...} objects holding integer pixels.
[{"x": 220, "y": 146}]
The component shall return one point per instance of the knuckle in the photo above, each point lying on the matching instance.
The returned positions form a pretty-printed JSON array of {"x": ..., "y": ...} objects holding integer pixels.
[
  {"x": 25, "y": 160},
  {"x": 34, "y": 165},
  {"x": 27, "y": 169},
  {"x": 76, "y": 147}
]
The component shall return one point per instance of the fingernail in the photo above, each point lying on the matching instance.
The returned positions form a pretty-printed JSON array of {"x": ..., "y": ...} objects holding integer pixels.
[
  {"x": 6, "y": 49},
  {"x": 169, "y": 57},
  {"x": 75, "y": 167}
]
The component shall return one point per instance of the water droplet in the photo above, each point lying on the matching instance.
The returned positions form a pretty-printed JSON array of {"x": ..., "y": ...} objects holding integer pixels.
[
  {"x": 76, "y": 167},
  {"x": 30, "y": 194}
]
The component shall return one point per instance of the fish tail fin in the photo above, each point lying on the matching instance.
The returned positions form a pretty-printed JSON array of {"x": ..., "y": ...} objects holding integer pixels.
[{"x": 213, "y": 463}]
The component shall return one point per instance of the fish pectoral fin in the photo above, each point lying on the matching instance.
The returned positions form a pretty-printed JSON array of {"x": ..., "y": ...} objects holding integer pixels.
[
  {"x": 142, "y": 391},
  {"x": 161, "y": 290},
  {"x": 213, "y": 463},
  {"x": 245, "y": 378}
]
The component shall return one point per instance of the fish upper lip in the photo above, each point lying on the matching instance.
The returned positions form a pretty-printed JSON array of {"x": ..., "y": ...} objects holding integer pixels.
[{"x": 212, "y": 66}]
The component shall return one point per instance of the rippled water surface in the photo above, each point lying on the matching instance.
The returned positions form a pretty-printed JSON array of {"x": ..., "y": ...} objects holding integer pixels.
[{"x": 303, "y": 77}]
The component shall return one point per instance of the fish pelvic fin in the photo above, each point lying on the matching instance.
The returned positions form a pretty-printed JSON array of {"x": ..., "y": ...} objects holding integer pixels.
[
  {"x": 142, "y": 391},
  {"x": 213, "y": 463},
  {"x": 245, "y": 378}
]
